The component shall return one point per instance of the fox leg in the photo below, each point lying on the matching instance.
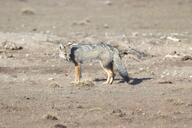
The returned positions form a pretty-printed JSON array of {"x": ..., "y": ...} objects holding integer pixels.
[
  {"x": 111, "y": 77},
  {"x": 110, "y": 74},
  {"x": 77, "y": 73},
  {"x": 106, "y": 72}
]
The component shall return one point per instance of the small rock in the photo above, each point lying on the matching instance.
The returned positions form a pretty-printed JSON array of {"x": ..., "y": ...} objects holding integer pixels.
[
  {"x": 74, "y": 23},
  {"x": 28, "y": 11},
  {"x": 106, "y": 26},
  {"x": 59, "y": 126},
  {"x": 163, "y": 37},
  {"x": 185, "y": 58},
  {"x": 135, "y": 34},
  {"x": 54, "y": 85},
  {"x": 50, "y": 117},
  {"x": 118, "y": 112},
  {"x": 34, "y": 29},
  {"x": 10, "y": 56},
  {"x": 87, "y": 20},
  {"x": 79, "y": 106},
  {"x": 10, "y": 45},
  {"x": 173, "y": 39},
  {"x": 82, "y": 23},
  {"x": 108, "y": 2},
  {"x": 189, "y": 105},
  {"x": 165, "y": 82},
  {"x": 26, "y": 55},
  {"x": 172, "y": 56},
  {"x": 51, "y": 78}
]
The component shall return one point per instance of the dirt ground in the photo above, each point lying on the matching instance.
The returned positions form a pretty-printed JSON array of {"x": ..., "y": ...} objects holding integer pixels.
[{"x": 35, "y": 84}]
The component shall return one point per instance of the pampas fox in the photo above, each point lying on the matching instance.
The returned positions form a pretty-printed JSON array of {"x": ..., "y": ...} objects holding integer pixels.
[{"x": 105, "y": 53}]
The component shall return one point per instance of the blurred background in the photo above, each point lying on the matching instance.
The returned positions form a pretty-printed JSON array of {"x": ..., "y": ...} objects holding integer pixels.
[{"x": 95, "y": 16}]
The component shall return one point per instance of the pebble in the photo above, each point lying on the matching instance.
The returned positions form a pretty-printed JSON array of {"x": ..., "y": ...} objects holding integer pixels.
[
  {"x": 59, "y": 126},
  {"x": 108, "y": 2},
  {"x": 106, "y": 26}
]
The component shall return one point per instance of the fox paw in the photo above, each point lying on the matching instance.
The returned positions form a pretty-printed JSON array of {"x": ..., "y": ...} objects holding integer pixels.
[
  {"x": 105, "y": 83},
  {"x": 74, "y": 82}
]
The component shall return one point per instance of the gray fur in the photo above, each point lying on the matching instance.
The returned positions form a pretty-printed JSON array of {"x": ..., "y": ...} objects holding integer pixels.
[{"x": 106, "y": 54}]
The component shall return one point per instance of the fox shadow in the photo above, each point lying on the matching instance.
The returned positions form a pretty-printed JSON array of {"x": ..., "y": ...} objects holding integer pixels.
[
  {"x": 137, "y": 81},
  {"x": 133, "y": 81}
]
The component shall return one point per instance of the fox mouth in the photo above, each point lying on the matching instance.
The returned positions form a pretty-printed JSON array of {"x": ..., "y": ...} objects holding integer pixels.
[{"x": 62, "y": 56}]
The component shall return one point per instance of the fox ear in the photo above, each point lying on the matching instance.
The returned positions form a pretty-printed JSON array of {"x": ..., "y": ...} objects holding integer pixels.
[
  {"x": 61, "y": 46},
  {"x": 69, "y": 43}
]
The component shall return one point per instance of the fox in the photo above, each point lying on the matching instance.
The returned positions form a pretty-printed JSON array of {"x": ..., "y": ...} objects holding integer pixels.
[{"x": 107, "y": 55}]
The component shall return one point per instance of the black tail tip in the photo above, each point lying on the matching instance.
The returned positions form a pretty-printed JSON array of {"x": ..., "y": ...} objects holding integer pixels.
[{"x": 127, "y": 79}]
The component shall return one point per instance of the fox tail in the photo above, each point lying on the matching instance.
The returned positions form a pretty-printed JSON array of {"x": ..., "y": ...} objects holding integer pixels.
[{"x": 120, "y": 67}]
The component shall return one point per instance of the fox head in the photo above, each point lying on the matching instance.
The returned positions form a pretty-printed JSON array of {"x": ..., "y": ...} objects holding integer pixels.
[{"x": 65, "y": 51}]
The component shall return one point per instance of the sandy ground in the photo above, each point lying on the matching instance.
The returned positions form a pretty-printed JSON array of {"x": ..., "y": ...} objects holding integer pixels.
[{"x": 35, "y": 84}]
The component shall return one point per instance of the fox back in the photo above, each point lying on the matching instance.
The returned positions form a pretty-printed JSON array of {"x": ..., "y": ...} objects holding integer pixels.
[{"x": 87, "y": 52}]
